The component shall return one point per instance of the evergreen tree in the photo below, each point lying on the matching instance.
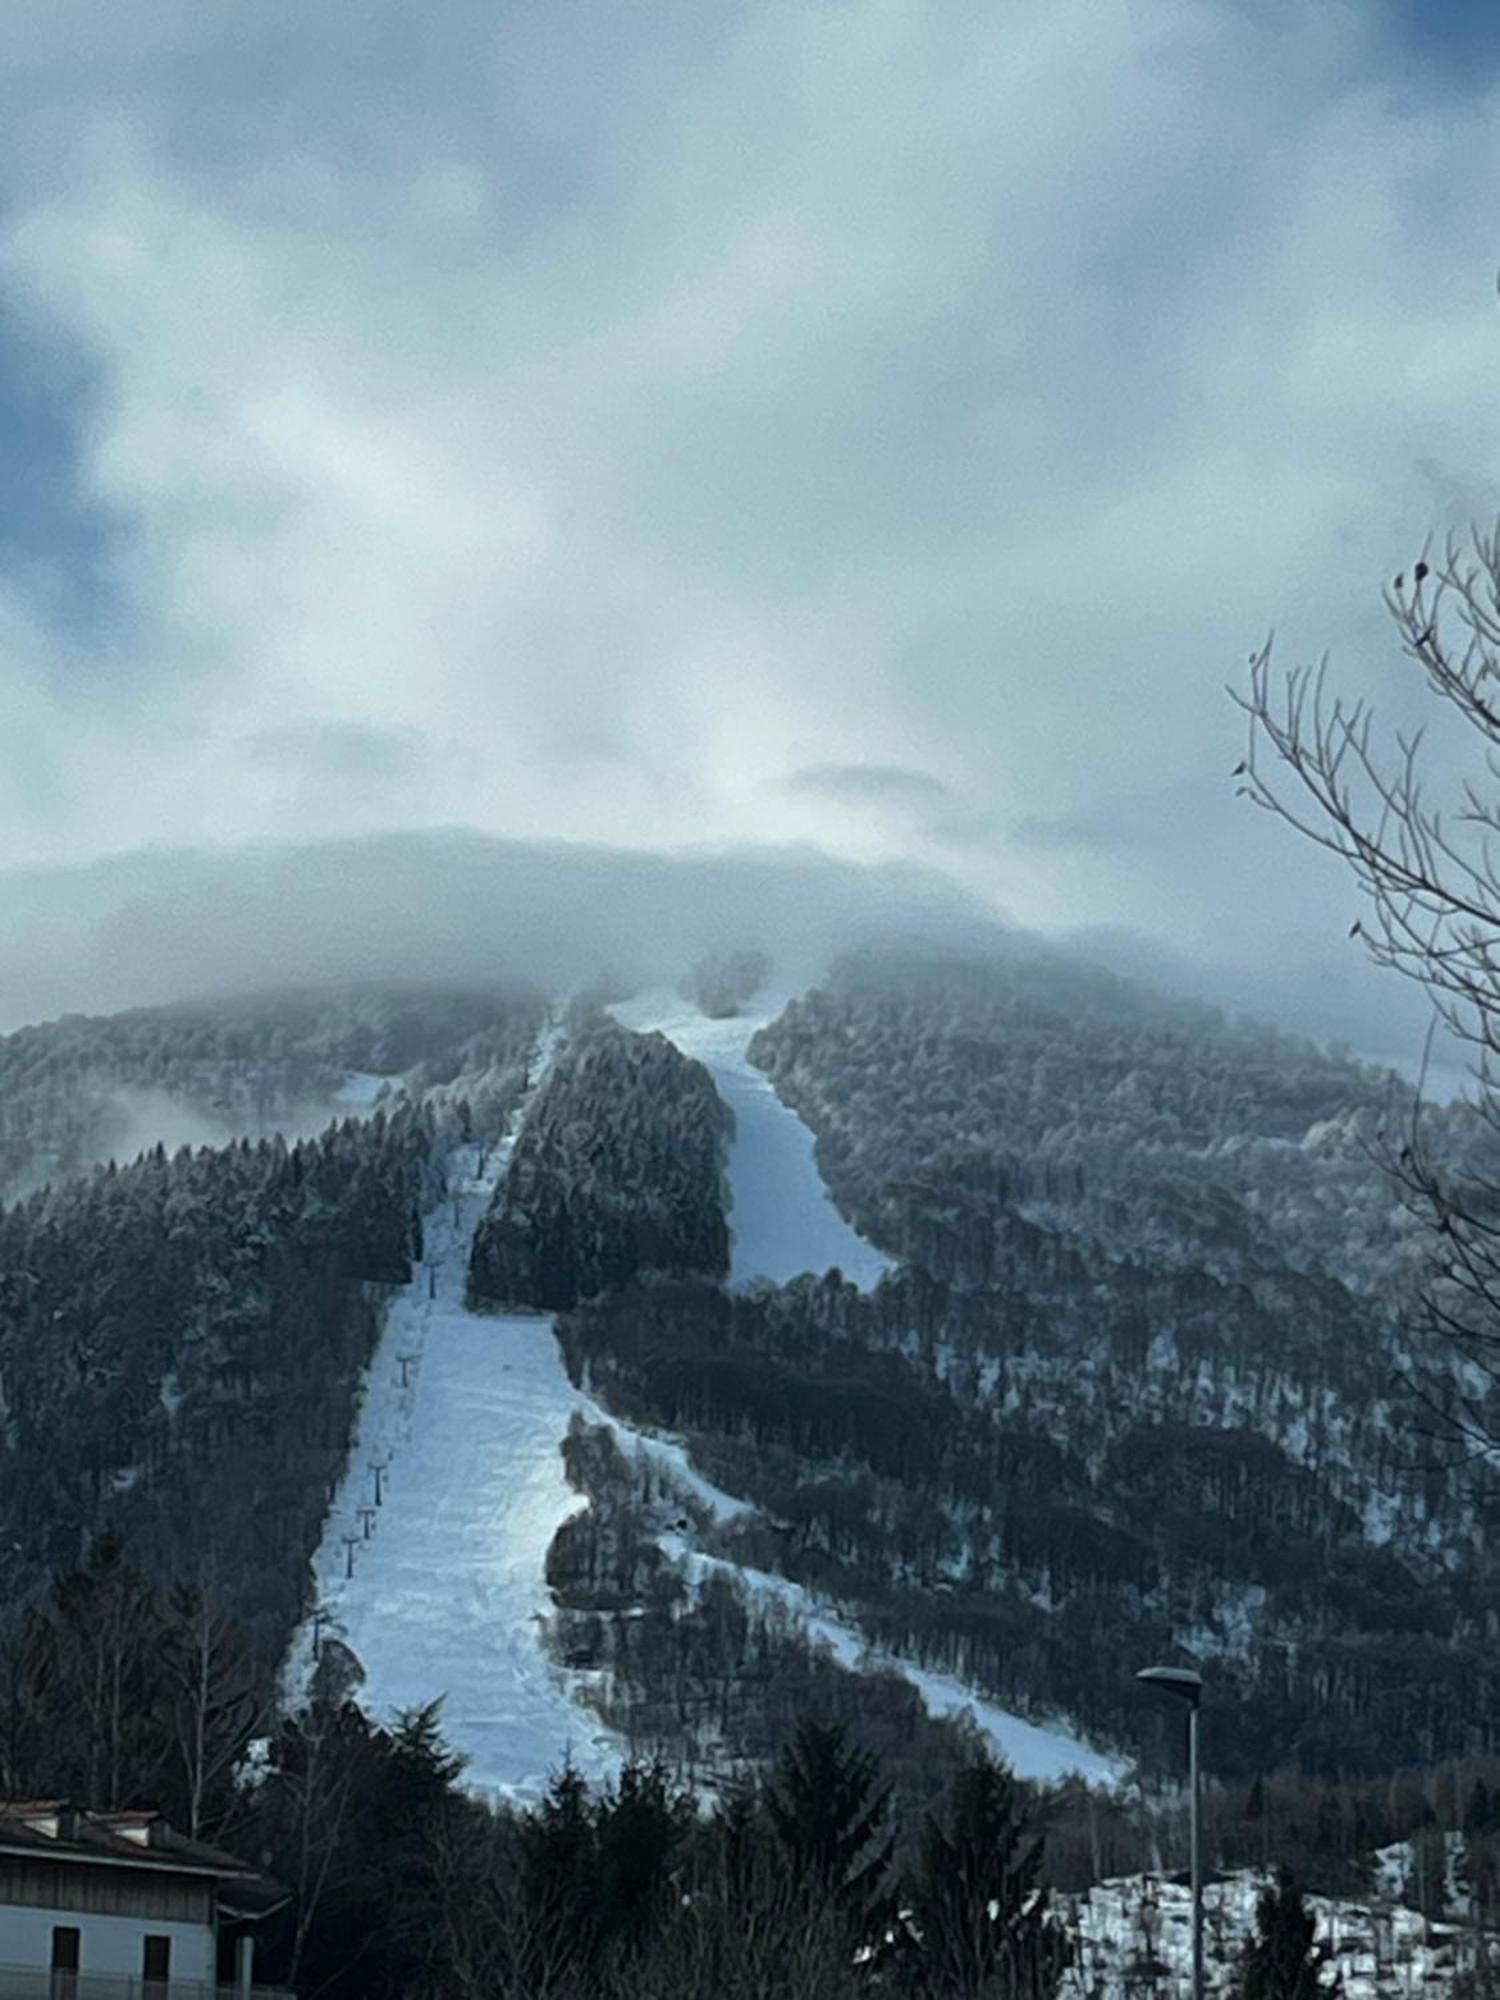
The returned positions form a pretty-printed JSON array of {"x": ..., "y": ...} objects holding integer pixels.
[
  {"x": 558, "y": 1881},
  {"x": 827, "y": 1815},
  {"x": 1282, "y": 1961},
  {"x": 414, "y": 1815},
  {"x": 638, "y": 1827},
  {"x": 357, "y": 1820},
  {"x": 979, "y": 1909}
]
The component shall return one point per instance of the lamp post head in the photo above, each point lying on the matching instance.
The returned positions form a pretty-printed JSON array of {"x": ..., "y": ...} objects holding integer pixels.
[{"x": 1181, "y": 1682}]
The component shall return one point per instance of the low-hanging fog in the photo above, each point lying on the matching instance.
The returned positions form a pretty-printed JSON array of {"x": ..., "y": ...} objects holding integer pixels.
[
  {"x": 454, "y": 907},
  {"x": 441, "y": 908}
]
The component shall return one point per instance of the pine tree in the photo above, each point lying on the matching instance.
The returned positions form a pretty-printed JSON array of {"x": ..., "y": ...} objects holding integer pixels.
[
  {"x": 1282, "y": 1961},
  {"x": 559, "y": 1869},
  {"x": 977, "y": 1902},
  {"x": 639, "y": 1826},
  {"x": 827, "y": 1815}
]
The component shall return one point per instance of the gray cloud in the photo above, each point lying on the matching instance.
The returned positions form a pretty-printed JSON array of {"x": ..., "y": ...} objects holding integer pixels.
[{"x": 623, "y": 408}]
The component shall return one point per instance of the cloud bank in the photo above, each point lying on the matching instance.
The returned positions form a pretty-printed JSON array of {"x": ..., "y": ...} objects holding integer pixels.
[
  {"x": 443, "y": 908},
  {"x": 865, "y": 424}
]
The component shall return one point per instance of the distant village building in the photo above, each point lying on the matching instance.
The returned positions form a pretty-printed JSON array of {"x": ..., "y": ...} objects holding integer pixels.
[{"x": 118, "y": 1906}]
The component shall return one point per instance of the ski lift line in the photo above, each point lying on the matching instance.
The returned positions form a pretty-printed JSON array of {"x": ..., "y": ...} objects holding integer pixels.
[{"x": 472, "y": 1173}]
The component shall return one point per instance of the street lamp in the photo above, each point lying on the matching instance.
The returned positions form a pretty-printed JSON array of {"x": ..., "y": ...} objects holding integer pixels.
[{"x": 1184, "y": 1685}]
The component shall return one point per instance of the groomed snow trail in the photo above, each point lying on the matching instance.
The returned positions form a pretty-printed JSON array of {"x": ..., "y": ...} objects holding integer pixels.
[
  {"x": 781, "y": 1216},
  {"x": 448, "y": 1592}
]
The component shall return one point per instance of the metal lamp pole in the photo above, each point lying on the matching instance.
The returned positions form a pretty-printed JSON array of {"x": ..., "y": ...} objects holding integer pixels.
[{"x": 1186, "y": 1686}]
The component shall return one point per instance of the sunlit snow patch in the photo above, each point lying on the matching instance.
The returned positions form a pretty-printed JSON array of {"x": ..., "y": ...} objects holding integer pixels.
[{"x": 781, "y": 1216}]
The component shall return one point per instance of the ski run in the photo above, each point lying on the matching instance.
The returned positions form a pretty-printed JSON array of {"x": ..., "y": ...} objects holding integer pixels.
[{"x": 432, "y": 1566}]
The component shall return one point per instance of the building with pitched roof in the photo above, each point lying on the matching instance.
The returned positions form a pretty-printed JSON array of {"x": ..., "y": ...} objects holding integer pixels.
[{"x": 120, "y": 1906}]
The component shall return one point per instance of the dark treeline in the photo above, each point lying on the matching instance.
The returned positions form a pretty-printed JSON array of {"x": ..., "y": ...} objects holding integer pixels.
[
  {"x": 631, "y": 1893},
  {"x": 181, "y": 1345},
  {"x": 405, "y": 1888},
  {"x": 823, "y": 1880},
  {"x": 618, "y": 1170}
]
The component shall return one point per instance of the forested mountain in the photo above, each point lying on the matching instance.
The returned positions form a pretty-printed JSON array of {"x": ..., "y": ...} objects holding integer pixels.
[
  {"x": 1125, "y": 1122},
  {"x": 181, "y": 1343},
  {"x": 618, "y": 1170},
  {"x": 84, "y": 1089},
  {"x": 1133, "y": 1390},
  {"x": 183, "y": 1338}
]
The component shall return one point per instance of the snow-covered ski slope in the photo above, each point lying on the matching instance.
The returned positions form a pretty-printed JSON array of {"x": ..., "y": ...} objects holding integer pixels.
[
  {"x": 465, "y": 1414},
  {"x": 781, "y": 1216}
]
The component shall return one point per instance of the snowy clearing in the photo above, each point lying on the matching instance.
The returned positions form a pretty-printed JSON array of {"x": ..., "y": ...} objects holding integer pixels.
[{"x": 781, "y": 1217}]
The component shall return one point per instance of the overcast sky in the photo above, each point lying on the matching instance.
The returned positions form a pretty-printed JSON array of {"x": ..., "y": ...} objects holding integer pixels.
[{"x": 865, "y": 423}]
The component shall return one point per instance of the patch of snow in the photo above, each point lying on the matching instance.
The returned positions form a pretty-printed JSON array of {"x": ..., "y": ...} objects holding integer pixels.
[{"x": 782, "y": 1218}]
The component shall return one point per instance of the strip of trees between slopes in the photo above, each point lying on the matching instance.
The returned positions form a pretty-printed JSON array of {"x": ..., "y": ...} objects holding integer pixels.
[{"x": 618, "y": 1169}]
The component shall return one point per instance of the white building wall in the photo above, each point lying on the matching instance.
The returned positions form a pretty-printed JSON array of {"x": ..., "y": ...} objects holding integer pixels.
[{"x": 106, "y": 1945}]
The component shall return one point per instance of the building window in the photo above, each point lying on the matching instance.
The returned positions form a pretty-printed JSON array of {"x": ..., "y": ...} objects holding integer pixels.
[
  {"x": 156, "y": 1961},
  {"x": 64, "y": 1984}
]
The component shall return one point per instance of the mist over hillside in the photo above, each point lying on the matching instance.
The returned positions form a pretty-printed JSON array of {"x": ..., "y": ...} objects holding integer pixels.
[{"x": 443, "y": 907}]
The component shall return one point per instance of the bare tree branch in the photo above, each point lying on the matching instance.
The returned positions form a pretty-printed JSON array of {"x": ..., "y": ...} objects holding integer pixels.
[{"x": 1431, "y": 887}]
